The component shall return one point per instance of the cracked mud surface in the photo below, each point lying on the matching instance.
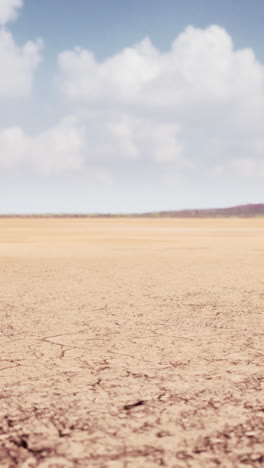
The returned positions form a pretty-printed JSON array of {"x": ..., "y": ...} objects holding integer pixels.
[{"x": 131, "y": 343}]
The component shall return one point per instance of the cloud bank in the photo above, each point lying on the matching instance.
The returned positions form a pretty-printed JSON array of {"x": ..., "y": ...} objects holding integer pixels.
[
  {"x": 57, "y": 149},
  {"x": 202, "y": 100},
  {"x": 201, "y": 67},
  {"x": 197, "y": 108}
]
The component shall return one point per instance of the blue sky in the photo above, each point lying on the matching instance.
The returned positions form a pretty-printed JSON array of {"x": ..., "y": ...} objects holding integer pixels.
[{"x": 114, "y": 106}]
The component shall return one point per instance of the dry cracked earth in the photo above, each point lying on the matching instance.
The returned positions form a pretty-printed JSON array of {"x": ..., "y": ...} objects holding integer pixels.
[{"x": 131, "y": 343}]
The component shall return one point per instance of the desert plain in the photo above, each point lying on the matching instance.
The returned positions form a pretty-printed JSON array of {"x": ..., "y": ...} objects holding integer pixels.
[{"x": 131, "y": 343}]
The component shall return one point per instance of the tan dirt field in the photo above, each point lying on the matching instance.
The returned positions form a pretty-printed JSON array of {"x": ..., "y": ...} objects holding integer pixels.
[{"x": 131, "y": 343}]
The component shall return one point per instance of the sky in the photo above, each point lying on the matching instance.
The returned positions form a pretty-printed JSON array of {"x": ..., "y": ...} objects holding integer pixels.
[{"x": 127, "y": 107}]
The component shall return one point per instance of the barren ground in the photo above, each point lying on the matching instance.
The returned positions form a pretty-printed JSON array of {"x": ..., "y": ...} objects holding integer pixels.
[{"x": 131, "y": 343}]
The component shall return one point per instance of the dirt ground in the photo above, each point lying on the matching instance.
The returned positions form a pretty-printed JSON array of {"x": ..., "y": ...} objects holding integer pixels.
[{"x": 131, "y": 343}]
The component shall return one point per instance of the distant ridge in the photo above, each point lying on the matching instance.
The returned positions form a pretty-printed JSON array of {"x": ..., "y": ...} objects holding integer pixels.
[{"x": 241, "y": 211}]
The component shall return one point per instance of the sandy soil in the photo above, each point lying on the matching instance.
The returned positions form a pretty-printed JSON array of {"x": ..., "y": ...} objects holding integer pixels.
[{"x": 131, "y": 343}]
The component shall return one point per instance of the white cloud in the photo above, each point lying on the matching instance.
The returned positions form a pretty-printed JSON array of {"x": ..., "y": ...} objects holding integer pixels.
[
  {"x": 120, "y": 77},
  {"x": 198, "y": 107},
  {"x": 202, "y": 65},
  {"x": 202, "y": 100},
  {"x": 9, "y": 10},
  {"x": 247, "y": 168},
  {"x": 12, "y": 146},
  {"x": 68, "y": 145},
  {"x": 60, "y": 148},
  {"x": 18, "y": 65},
  {"x": 130, "y": 137}
]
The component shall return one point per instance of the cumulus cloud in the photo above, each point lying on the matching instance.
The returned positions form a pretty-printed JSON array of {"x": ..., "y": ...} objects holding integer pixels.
[
  {"x": 9, "y": 10},
  {"x": 131, "y": 137},
  {"x": 18, "y": 65},
  {"x": 69, "y": 145},
  {"x": 202, "y": 65},
  {"x": 120, "y": 77},
  {"x": 198, "y": 107},
  {"x": 60, "y": 148},
  {"x": 203, "y": 100}
]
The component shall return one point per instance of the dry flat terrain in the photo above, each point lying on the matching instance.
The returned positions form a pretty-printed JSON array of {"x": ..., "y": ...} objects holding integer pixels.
[{"x": 131, "y": 343}]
